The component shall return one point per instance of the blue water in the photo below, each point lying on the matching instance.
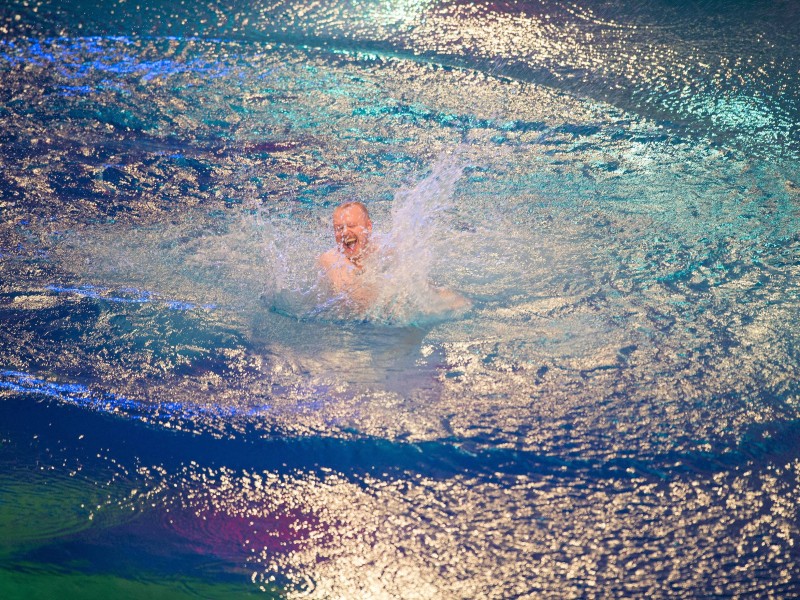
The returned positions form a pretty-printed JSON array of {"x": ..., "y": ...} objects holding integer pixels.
[{"x": 186, "y": 411}]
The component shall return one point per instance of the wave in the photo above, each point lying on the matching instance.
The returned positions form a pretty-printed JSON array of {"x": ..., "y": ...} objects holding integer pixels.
[{"x": 730, "y": 76}]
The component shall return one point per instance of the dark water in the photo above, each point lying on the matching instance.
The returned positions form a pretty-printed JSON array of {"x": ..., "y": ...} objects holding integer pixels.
[{"x": 615, "y": 188}]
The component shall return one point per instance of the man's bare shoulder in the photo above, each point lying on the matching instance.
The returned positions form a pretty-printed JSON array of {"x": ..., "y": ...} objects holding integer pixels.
[{"x": 328, "y": 259}]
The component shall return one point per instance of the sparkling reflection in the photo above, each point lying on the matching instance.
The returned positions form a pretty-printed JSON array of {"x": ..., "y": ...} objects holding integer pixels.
[{"x": 616, "y": 415}]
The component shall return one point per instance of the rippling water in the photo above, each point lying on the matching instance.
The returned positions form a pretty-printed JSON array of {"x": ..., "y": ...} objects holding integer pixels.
[{"x": 615, "y": 189}]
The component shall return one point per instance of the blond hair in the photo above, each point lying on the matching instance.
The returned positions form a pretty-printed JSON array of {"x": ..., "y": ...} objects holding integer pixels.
[{"x": 355, "y": 203}]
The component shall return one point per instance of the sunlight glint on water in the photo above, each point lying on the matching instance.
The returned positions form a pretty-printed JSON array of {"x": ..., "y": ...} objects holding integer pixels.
[{"x": 615, "y": 415}]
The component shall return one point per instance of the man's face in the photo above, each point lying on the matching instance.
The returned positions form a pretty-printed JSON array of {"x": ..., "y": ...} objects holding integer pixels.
[{"x": 352, "y": 227}]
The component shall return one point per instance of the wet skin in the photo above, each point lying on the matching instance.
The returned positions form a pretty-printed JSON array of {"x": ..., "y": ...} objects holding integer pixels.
[
  {"x": 352, "y": 228},
  {"x": 344, "y": 263}
]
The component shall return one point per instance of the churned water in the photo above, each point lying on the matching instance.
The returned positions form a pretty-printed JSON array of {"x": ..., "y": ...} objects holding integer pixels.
[{"x": 187, "y": 411}]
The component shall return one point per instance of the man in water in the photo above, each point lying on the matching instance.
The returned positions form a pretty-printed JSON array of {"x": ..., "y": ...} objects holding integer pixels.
[
  {"x": 350, "y": 263},
  {"x": 344, "y": 264}
]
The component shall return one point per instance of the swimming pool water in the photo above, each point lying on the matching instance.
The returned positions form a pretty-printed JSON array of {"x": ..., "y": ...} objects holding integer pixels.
[{"x": 613, "y": 186}]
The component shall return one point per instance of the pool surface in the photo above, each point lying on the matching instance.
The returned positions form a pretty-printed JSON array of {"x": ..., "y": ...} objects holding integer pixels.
[{"x": 186, "y": 411}]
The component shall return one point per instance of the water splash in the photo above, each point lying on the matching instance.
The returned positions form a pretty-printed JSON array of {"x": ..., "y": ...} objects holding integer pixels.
[
  {"x": 398, "y": 276},
  {"x": 418, "y": 232}
]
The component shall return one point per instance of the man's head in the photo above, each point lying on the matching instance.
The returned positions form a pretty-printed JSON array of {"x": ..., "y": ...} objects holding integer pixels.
[{"x": 352, "y": 228}]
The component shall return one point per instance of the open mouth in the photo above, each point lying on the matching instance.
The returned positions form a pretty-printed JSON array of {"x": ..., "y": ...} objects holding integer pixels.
[{"x": 350, "y": 242}]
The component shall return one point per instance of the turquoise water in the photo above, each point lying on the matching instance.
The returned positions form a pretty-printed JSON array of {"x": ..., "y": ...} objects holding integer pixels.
[{"x": 186, "y": 412}]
